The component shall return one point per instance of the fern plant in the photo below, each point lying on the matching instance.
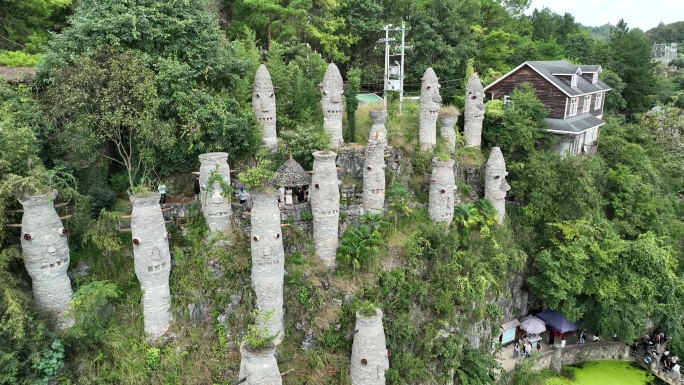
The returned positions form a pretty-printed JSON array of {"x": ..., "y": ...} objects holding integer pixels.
[{"x": 358, "y": 245}]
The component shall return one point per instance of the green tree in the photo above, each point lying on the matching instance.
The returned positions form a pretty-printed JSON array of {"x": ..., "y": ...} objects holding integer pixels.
[{"x": 351, "y": 103}]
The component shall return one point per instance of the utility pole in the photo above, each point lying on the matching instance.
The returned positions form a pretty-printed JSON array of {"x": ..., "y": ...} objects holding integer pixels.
[
  {"x": 386, "y": 82},
  {"x": 401, "y": 75},
  {"x": 396, "y": 84}
]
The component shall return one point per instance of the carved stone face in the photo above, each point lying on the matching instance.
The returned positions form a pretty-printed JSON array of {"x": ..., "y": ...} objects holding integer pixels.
[
  {"x": 263, "y": 96},
  {"x": 332, "y": 93},
  {"x": 474, "y": 103},
  {"x": 430, "y": 100},
  {"x": 496, "y": 185},
  {"x": 43, "y": 238}
]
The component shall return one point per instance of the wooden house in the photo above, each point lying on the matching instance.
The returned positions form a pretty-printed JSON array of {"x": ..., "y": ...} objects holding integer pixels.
[{"x": 572, "y": 93}]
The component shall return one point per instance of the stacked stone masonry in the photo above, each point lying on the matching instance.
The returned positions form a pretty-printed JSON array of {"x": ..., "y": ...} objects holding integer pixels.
[
  {"x": 268, "y": 262},
  {"x": 496, "y": 186},
  {"x": 374, "y": 178},
  {"x": 216, "y": 211},
  {"x": 332, "y": 101},
  {"x": 46, "y": 256},
  {"x": 259, "y": 368},
  {"x": 214, "y": 161},
  {"x": 369, "y": 359},
  {"x": 378, "y": 131},
  {"x": 264, "y": 106},
  {"x": 447, "y": 131},
  {"x": 152, "y": 262},
  {"x": 325, "y": 205},
  {"x": 474, "y": 112},
  {"x": 442, "y": 187},
  {"x": 430, "y": 102}
]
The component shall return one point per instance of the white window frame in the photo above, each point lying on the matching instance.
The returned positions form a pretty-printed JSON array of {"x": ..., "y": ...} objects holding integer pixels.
[
  {"x": 594, "y": 78},
  {"x": 573, "y": 106},
  {"x": 587, "y": 104},
  {"x": 599, "y": 101},
  {"x": 573, "y": 81},
  {"x": 508, "y": 103}
]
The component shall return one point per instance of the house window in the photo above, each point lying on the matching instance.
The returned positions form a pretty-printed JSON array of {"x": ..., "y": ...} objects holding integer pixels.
[
  {"x": 573, "y": 107},
  {"x": 594, "y": 78},
  {"x": 573, "y": 81},
  {"x": 587, "y": 104},
  {"x": 508, "y": 103},
  {"x": 599, "y": 100}
]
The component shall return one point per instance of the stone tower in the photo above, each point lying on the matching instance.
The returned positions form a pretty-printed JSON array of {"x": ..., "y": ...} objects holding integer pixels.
[
  {"x": 259, "y": 368},
  {"x": 46, "y": 255},
  {"x": 264, "y": 106},
  {"x": 378, "y": 131},
  {"x": 214, "y": 161},
  {"x": 268, "y": 261},
  {"x": 369, "y": 359},
  {"x": 474, "y": 112},
  {"x": 442, "y": 185},
  {"x": 495, "y": 182},
  {"x": 325, "y": 205},
  {"x": 152, "y": 262},
  {"x": 447, "y": 121},
  {"x": 217, "y": 210},
  {"x": 374, "y": 178},
  {"x": 333, "y": 104},
  {"x": 429, "y": 110}
]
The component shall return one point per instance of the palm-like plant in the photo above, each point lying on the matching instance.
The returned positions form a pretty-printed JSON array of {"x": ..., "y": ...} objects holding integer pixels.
[
  {"x": 466, "y": 216},
  {"x": 358, "y": 245}
]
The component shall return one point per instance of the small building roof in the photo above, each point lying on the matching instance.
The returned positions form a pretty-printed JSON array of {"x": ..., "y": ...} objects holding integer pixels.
[
  {"x": 17, "y": 74},
  {"x": 574, "y": 125},
  {"x": 291, "y": 174}
]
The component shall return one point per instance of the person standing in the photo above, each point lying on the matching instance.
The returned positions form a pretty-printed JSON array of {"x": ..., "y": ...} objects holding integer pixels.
[
  {"x": 162, "y": 193},
  {"x": 516, "y": 350},
  {"x": 562, "y": 343},
  {"x": 300, "y": 195},
  {"x": 242, "y": 194},
  {"x": 198, "y": 189}
]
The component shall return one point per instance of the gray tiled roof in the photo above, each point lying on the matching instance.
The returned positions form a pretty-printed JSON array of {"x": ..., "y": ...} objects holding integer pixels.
[
  {"x": 584, "y": 86},
  {"x": 574, "y": 125}
]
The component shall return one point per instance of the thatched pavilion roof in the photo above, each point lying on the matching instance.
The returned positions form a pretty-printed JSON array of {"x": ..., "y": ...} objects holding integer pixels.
[{"x": 291, "y": 174}]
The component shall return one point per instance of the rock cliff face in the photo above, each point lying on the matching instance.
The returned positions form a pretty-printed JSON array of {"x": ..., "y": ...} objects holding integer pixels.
[
  {"x": 264, "y": 106},
  {"x": 430, "y": 101},
  {"x": 442, "y": 186},
  {"x": 374, "y": 178},
  {"x": 325, "y": 205},
  {"x": 268, "y": 262},
  {"x": 496, "y": 186},
  {"x": 474, "y": 112},
  {"x": 152, "y": 263},
  {"x": 46, "y": 255},
  {"x": 369, "y": 359},
  {"x": 333, "y": 104},
  {"x": 259, "y": 368}
]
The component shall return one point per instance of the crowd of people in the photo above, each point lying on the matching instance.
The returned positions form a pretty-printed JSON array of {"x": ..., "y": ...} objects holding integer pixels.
[
  {"x": 656, "y": 350},
  {"x": 524, "y": 348}
]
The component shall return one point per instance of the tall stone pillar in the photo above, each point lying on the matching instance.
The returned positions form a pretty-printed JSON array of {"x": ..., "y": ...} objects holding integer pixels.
[
  {"x": 268, "y": 262},
  {"x": 447, "y": 121},
  {"x": 325, "y": 205},
  {"x": 442, "y": 185},
  {"x": 495, "y": 182},
  {"x": 46, "y": 255},
  {"x": 369, "y": 359},
  {"x": 430, "y": 101},
  {"x": 332, "y": 102},
  {"x": 152, "y": 262},
  {"x": 474, "y": 112},
  {"x": 264, "y": 106},
  {"x": 214, "y": 161},
  {"x": 217, "y": 210},
  {"x": 259, "y": 367},
  {"x": 557, "y": 360},
  {"x": 374, "y": 178},
  {"x": 378, "y": 131}
]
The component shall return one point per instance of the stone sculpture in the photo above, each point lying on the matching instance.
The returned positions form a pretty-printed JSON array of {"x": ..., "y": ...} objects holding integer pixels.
[
  {"x": 217, "y": 210},
  {"x": 474, "y": 112},
  {"x": 152, "y": 262},
  {"x": 325, "y": 205},
  {"x": 447, "y": 121},
  {"x": 442, "y": 186},
  {"x": 378, "y": 131},
  {"x": 46, "y": 255},
  {"x": 216, "y": 162},
  {"x": 369, "y": 359},
  {"x": 259, "y": 367},
  {"x": 429, "y": 110},
  {"x": 374, "y": 178},
  {"x": 264, "y": 106},
  {"x": 268, "y": 262},
  {"x": 496, "y": 186},
  {"x": 333, "y": 104}
]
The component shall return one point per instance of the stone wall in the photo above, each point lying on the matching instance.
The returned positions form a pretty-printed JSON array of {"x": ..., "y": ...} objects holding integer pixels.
[
  {"x": 46, "y": 255},
  {"x": 579, "y": 353},
  {"x": 152, "y": 262}
]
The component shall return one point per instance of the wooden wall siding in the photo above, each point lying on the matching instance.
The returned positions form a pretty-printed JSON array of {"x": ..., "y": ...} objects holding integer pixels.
[
  {"x": 550, "y": 96},
  {"x": 580, "y": 104}
]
